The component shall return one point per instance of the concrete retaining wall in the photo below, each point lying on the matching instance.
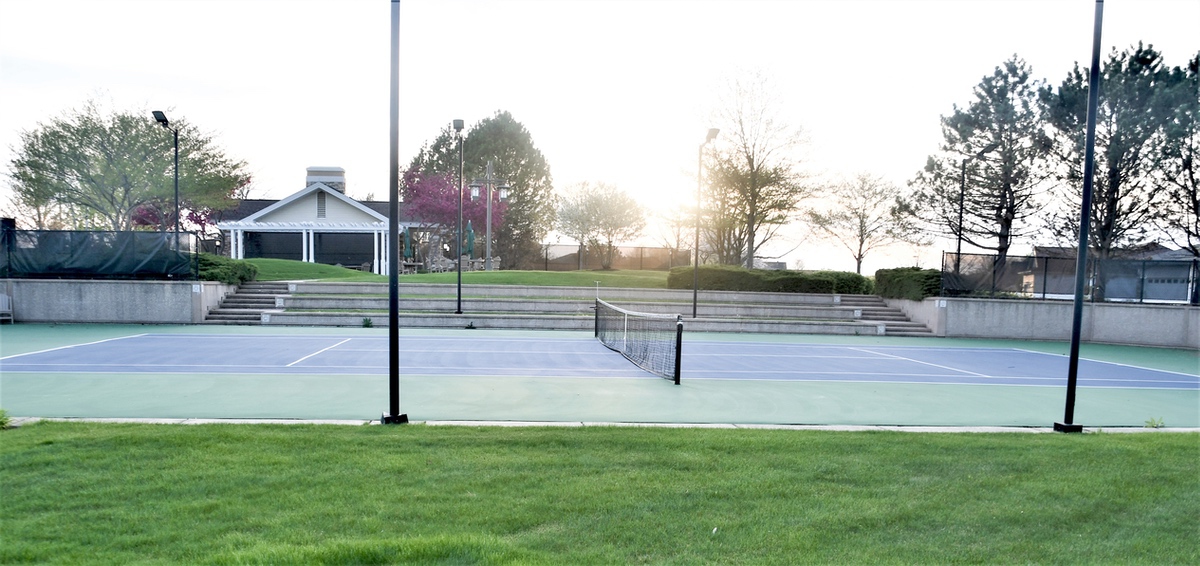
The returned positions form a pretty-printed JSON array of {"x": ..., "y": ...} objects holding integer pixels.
[
  {"x": 1171, "y": 326},
  {"x": 564, "y": 322},
  {"x": 143, "y": 302},
  {"x": 543, "y": 305},
  {"x": 588, "y": 293}
]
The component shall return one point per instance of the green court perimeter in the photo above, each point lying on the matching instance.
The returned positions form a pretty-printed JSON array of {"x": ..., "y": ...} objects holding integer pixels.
[{"x": 477, "y": 396}]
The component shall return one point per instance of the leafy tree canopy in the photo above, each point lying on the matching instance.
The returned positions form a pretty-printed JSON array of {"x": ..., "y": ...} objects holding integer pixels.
[
  {"x": 515, "y": 159},
  {"x": 115, "y": 170}
]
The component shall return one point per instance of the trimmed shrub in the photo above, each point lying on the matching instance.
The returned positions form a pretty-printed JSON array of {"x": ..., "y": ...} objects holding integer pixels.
[
  {"x": 912, "y": 283},
  {"x": 229, "y": 271},
  {"x": 733, "y": 278}
]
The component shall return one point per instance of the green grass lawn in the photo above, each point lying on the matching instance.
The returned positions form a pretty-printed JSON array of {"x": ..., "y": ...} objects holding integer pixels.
[
  {"x": 303, "y": 494},
  {"x": 287, "y": 270}
]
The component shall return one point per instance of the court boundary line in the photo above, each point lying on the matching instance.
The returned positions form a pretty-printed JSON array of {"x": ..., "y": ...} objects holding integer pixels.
[
  {"x": 942, "y": 383},
  {"x": 318, "y": 352},
  {"x": 1118, "y": 364},
  {"x": 75, "y": 346},
  {"x": 894, "y": 357}
]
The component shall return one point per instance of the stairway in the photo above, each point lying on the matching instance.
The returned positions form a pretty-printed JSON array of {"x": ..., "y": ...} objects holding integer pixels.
[
  {"x": 874, "y": 308},
  {"x": 246, "y": 305}
]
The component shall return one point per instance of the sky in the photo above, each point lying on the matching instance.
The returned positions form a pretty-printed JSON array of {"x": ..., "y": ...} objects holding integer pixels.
[{"x": 615, "y": 91}]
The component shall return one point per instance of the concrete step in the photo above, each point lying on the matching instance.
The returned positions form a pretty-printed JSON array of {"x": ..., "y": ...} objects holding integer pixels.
[
  {"x": 266, "y": 302},
  {"x": 246, "y": 305},
  {"x": 554, "y": 308}
]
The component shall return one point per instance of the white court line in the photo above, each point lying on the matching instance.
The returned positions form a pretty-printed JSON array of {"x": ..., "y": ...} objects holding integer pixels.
[
  {"x": 924, "y": 363},
  {"x": 1118, "y": 364},
  {"x": 72, "y": 346},
  {"x": 321, "y": 351}
]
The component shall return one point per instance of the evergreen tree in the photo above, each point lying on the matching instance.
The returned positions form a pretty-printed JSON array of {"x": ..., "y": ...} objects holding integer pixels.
[
  {"x": 1178, "y": 168},
  {"x": 1135, "y": 108},
  {"x": 984, "y": 185}
]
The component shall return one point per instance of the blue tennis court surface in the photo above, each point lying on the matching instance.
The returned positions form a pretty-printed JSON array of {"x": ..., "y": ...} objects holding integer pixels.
[{"x": 580, "y": 357}]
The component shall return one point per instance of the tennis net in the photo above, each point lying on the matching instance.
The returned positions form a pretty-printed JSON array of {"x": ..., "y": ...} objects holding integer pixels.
[{"x": 653, "y": 342}]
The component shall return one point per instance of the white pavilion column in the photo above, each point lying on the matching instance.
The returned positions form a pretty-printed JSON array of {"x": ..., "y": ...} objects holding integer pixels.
[
  {"x": 239, "y": 243},
  {"x": 375, "y": 252}
]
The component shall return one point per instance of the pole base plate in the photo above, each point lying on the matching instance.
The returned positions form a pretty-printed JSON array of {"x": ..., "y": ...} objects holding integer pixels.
[
  {"x": 1067, "y": 427},
  {"x": 402, "y": 418}
]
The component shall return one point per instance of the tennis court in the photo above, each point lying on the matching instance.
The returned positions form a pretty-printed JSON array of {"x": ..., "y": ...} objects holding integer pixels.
[{"x": 467, "y": 375}]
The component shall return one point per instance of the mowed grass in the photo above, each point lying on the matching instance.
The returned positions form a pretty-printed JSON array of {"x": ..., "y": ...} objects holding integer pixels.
[
  {"x": 287, "y": 270},
  {"x": 304, "y": 494}
]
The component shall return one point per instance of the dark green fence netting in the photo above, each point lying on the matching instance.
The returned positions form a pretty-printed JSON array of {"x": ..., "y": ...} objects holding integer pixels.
[{"x": 98, "y": 255}]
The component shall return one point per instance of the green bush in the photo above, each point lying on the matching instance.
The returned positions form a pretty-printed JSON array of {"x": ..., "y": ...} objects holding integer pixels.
[
  {"x": 5, "y": 420},
  {"x": 912, "y": 283},
  {"x": 229, "y": 271},
  {"x": 733, "y": 278}
]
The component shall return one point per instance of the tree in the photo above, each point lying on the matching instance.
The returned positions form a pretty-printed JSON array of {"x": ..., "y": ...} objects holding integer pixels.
[
  {"x": 753, "y": 174},
  {"x": 676, "y": 229},
  {"x": 432, "y": 198},
  {"x": 1178, "y": 166},
  {"x": 984, "y": 186},
  {"x": 599, "y": 215},
  {"x": 115, "y": 170},
  {"x": 864, "y": 217},
  {"x": 1134, "y": 108},
  {"x": 576, "y": 217},
  {"x": 618, "y": 219},
  {"x": 722, "y": 225},
  {"x": 509, "y": 146}
]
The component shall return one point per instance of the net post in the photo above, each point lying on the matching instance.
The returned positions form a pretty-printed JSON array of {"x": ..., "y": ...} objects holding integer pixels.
[
  {"x": 678, "y": 346},
  {"x": 597, "y": 315}
]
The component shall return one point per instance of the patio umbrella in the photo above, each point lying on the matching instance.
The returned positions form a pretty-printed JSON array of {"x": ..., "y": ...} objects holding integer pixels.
[
  {"x": 470, "y": 248},
  {"x": 408, "y": 250}
]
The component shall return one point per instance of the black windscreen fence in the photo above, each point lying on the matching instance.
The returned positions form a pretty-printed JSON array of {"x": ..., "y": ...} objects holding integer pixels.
[
  {"x": 1118, "y": 280},
  {"x": 64, "y": 254}
]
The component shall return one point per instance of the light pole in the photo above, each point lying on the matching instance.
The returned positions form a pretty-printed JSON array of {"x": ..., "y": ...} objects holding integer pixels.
[
  {"x": 162, "y": 120},
  {"x": 962, "y": 191},
  {"x": 502, "y": 186},
  {"x": 712, "y": 135},
  {"x": 458, "y": 128}
]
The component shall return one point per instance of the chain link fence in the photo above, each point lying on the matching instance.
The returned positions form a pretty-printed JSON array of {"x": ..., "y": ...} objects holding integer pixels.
[
  {"x": 565, "y": 257},
  {"x": 1115, "y": 280}
]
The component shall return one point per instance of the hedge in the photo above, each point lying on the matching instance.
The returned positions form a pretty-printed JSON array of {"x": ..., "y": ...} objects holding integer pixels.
[
  {"x": 912, "y": 283},
  {"x": 733, "y": 278},
  {"x": 229, "y": 271}
]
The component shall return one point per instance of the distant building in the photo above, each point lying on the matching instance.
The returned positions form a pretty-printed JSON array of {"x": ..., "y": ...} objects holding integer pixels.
[
  {"x": 318, "y": 224},
  {"x": 1147, "y": 272}
]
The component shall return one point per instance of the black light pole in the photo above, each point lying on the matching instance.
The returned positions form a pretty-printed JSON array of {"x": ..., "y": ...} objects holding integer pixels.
[
  {"x": 394, "y": 416},
  {"x": 491, "y": 182},
  {"x": 962, "y": 191},
  {"x": 712, "y": 134},
  {"x": 1085, "y": 214},
  {"x": 162, "y": 120},
  {"x": 458, "y": 128}
]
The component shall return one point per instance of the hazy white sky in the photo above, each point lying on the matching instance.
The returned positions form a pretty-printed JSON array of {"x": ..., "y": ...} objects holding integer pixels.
[{"x": 619, "y": 91}]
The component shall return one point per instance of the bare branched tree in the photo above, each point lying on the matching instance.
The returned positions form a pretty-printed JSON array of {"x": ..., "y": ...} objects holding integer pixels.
[{"x": 756, "y": 185}]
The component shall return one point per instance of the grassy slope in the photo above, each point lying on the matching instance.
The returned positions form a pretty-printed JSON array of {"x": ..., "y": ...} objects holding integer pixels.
[
  {"x": 285, "y": 270},
  {"x": 78, "y": 493}
]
